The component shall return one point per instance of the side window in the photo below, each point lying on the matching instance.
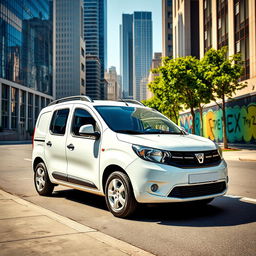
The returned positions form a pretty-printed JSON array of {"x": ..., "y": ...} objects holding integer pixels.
[
  {"x": 59, "y": 121},
  {"x": 81, "y": 117}
]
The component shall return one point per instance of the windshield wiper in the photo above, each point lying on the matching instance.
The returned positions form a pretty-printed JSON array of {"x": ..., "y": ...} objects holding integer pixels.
[{"x": 129, "y": 131}]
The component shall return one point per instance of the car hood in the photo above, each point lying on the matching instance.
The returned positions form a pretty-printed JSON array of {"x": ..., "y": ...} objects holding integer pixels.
[{"x": 170, "y": 142}]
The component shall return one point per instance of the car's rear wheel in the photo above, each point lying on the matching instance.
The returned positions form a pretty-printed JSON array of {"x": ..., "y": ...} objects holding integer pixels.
[
  {"x": 43, "y": 185},
  {"x": 119, "y": 195}
]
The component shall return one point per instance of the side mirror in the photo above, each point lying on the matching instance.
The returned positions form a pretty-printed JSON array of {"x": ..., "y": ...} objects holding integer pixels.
[{"x": 88, "y": 131}]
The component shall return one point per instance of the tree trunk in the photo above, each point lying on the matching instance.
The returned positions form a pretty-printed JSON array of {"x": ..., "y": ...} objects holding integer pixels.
[
  {"x": 201, "y": 120},
  {"x": 224, "y": 123},
  {"x": 193, "y": 119}
]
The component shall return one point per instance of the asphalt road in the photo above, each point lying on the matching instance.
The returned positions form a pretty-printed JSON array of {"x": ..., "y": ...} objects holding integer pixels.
[{"x": 225, "y": 227}]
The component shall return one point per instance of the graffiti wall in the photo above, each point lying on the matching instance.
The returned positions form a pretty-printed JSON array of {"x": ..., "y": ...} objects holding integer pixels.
[{"x": 241, "y": 121}]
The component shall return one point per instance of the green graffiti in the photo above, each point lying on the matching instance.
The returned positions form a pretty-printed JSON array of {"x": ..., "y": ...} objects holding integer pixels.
[{"x": 241, "y": 123}]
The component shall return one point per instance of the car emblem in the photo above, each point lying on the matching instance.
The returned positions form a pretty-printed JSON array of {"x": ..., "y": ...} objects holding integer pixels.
[{"x": 200, "y": 157}]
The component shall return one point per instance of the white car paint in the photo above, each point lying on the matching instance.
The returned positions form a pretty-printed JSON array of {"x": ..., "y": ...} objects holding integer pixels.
[{"x": 90, "y": 158}]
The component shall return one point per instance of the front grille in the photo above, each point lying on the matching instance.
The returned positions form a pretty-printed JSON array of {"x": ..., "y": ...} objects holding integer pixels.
[
  {"x": 189, "y": 160},
  {"x": 198, "y": 190}
]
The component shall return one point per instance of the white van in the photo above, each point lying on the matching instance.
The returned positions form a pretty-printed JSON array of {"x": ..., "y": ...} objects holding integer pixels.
[{"x": 128, "y": 152}]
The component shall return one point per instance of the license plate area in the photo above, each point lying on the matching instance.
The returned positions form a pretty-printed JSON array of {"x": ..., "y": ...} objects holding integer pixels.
[{"x": 203, "y": 177}]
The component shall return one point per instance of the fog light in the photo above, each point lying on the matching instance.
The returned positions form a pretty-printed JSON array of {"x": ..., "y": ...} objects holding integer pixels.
[{"x": 154, "y": 187}]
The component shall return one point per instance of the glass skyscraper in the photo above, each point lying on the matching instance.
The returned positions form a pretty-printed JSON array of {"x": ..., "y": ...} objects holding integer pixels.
[
  {"x": 142, "y": 53},
  {"x": 95, "y": 36},
  {"x": 26, "y": 61},
  {"x": 126, "y": 55},
  {"x": 135, "y": 54}
]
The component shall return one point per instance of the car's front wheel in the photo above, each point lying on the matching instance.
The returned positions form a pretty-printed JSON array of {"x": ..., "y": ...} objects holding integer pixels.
[
  {"x": 43, "y": 185},
  {"x": 119, "y": 195}
]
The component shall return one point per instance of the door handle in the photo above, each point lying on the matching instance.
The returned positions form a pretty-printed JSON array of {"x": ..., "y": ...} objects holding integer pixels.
[
  {"x": 71, "y": 146},
  {"x": 49, "y": 143}
]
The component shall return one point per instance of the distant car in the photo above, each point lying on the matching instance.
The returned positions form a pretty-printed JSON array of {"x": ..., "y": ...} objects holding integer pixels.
[{"x": 128, "y": 152}]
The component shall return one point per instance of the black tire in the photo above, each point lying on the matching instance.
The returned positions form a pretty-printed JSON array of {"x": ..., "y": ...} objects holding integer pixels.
[
  {"x": 43, "y": 185},
  {"x": 122, "y": 202}
]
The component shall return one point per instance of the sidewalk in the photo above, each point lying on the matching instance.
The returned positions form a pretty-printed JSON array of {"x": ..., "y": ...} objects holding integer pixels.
[
  {"x": 241, "y": 155},
  {"x": 27, "y": 229}
]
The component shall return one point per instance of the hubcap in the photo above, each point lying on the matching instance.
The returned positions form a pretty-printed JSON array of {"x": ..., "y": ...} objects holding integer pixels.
[
  {"x": 116, "y": 195},
  {"x": 40, "y": 178}
]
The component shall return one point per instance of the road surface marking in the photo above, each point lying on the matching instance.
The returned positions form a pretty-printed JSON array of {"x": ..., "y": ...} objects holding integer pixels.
[
  {"x": 247, "y": 199},
  {"x": 28, "y": 159}
]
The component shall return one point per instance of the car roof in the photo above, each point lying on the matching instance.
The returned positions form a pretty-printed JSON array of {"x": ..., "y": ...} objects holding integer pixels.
[{"x": 95, "y": 103}]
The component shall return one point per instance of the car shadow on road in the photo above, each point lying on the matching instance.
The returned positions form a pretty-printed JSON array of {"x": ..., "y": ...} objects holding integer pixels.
[
  {"x": 82, "y": 197},
  {"x": 223, "y": 211}
]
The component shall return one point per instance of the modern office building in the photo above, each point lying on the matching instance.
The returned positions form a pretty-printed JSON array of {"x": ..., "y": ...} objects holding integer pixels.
[
  {"x": 93, "y": 77},
  {"x": 142, "y": 53},
  {"x": 70, "y": 49},
  {"x": 167, "y": 38},
  {"x": 126, "y": 55},
  {"x": 95, "y": 36},
  {"x": 113, "y": 92},
  {"x": 156, "y": 62},
  {"x": 185, "y": 28},
  {"x": 231, "y": 23},
  {"x": 26, "y": 64}
]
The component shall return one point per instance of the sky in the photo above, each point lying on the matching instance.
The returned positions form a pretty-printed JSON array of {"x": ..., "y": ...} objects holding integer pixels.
[{"x": 115, "y": 9}]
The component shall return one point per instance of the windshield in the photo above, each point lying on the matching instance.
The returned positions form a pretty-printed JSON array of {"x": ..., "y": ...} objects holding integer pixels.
[{"x": 133, "y": 120}]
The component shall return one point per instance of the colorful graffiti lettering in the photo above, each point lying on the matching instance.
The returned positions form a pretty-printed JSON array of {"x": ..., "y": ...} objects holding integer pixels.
[{"x": 241, "y": 123}]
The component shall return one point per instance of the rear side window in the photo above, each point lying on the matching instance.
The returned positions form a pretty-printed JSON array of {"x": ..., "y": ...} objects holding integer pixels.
[{"x": 59, "y": 121}]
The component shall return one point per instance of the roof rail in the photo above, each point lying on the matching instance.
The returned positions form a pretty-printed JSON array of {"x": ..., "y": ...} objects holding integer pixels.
[
  {"x": 131, "y": 101},
  {"x": 80, "y": 97}
]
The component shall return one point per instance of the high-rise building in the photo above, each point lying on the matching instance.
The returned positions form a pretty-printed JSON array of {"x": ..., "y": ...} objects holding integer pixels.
[
  {"x": 95, "y": 36},
  {"x": 185, "y": 28},
  {"x": 142, "y": 53},
  {"x": 93, "y": 77},
  {"x": 156, "y": 62},
  {"x": 231, "y": 23},
  {"x": 113, "y": 85},
  {"x": 126, "y": 55},
  {"x": 167, "y": 28},
  {"x": 26, "y": 63},
  {"x": 70, "y": 48}
]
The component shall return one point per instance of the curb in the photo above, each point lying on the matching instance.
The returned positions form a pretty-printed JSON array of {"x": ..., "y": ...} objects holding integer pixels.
[
  {"x": 93, "y": 233},
  {"x": 247, "y": 159}
]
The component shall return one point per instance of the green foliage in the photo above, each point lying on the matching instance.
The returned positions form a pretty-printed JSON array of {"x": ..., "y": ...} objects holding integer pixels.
[
  {"x": 223, "y": 72},
  {"x": 189, "y": 82}
]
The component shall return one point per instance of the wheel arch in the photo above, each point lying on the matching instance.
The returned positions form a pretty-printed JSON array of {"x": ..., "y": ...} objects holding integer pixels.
[
  {"x": 108, "y": 170},
  {"x": 37, "y": 160}
]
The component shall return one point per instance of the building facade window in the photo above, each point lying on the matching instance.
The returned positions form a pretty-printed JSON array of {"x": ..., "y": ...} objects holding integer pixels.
[
  {"x": 222, "y": 18},
  {"x": 30, "y": 111},
  {"x": 14, "y": 108},
  {"x": 242, "y": 34},
  {"x": 5, "y": 106},
  {"x": 22, "y": 107},
  {"x": 207, "y": 25}
]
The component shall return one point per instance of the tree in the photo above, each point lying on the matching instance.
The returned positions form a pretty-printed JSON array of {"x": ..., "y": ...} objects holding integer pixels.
[
  {"x": 223, "y": 73},
  {"x": 164, "y": 100},
  {"x": 180, "y": 80}
]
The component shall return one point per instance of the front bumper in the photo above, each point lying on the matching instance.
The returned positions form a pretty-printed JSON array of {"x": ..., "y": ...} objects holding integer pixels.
[{"x": 144, "y": 174}]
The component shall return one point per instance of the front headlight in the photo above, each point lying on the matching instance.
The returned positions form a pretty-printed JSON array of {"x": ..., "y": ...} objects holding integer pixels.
[{"x": 151, "y": 154}]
